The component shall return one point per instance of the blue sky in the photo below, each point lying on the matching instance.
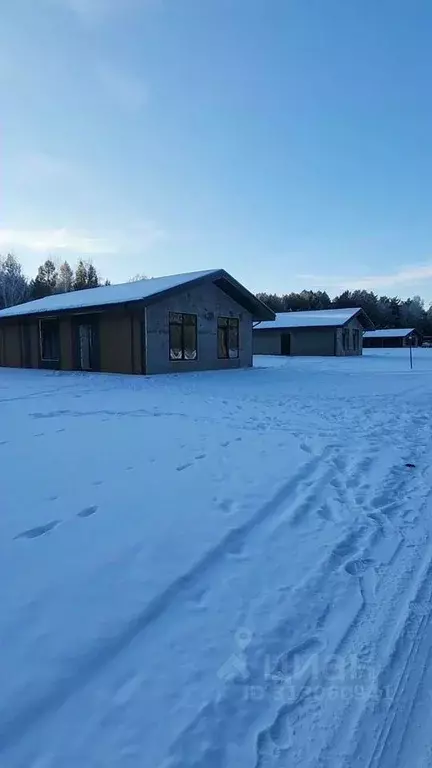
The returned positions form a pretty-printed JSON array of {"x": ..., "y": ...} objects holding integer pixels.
[{"x": 288, "y": 141}]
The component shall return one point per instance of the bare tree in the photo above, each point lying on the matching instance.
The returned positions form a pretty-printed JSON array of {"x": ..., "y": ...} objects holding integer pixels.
[
  {"x": 65, "y": 278},
  {"x": 13, "y": 284}
]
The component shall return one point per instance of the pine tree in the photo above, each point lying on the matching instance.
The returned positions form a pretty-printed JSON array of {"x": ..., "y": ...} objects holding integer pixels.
[
  {"x": 51, "y": 275},
  {"x": 92, "y": 276},
  {"x": 45, "y": 281},
  {"x": 80, "y": 281}
]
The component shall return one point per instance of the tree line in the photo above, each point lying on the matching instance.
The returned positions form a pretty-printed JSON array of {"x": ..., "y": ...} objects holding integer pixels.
[
  {"x": 16, "y": 288},
  {"x": 384, "y": 311}
]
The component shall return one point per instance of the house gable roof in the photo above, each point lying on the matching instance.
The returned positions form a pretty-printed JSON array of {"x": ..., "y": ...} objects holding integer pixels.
[
  {"x": 146, "y": 291},
  {"x": 319, "y": 318},
  {"x": 390, "y": 333}
]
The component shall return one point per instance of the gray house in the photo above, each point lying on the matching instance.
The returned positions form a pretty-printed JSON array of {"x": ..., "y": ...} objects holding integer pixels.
[
  {"x": 189, "y": 322},
  {"x": 317, "y": 332},
  {"x": 392, "y": 337}
]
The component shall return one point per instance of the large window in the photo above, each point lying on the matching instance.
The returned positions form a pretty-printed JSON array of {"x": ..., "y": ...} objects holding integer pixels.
[
  {"x": 228, "y": 337},
  {"x": 345, "y": 339},
  {"x": 356, "y": 339},
  {"x": 49, "y": 338},
  {"x": 182, "y": 336}
]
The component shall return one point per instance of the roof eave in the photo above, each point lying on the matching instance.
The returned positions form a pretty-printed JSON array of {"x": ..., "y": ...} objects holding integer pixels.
[
  {"x": 363, "y": 318},
  {"x": 257, "y": 308},
  {"x": 243, "y": 296},
  {"x": 296, "y": 327},
  {"x": 97, "y": 307}
]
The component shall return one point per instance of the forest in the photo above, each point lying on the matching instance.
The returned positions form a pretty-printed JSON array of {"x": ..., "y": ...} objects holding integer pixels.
[
  {"x": 16, "y": 288},
  {"x": 384, "y": 311}
]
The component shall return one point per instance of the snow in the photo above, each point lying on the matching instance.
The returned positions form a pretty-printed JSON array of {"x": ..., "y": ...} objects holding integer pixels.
[
  {"x": 310, "y": 319},
  {"x": 106, "y": 294},
  {"x": 389, "y": 333},
  {"x": 225, "y": 570}
]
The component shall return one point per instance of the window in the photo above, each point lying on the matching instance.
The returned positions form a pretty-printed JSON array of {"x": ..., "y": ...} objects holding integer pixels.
[
  {"x": 182, "y": 336},
  {"x": 345, "y": 339},
  {"x": 356, "y": 339},
  {"x": 228, "y": 337},
  {"x": 49, "y": 339}
]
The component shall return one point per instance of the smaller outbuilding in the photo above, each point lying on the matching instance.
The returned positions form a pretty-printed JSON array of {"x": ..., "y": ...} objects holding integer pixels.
[
  {"x": 316, "y": 332},
  {"x": 392, "y": 337}
]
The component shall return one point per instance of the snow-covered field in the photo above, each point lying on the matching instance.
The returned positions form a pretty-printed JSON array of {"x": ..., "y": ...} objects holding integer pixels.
[{"x": 218, "y": 570}]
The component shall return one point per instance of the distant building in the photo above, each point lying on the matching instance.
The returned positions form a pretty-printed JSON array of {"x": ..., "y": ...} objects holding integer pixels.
[
  {"x": 190, "y": 322},
  {"x": 392, "y": 337},
  {"x": 318, "y": 332}
]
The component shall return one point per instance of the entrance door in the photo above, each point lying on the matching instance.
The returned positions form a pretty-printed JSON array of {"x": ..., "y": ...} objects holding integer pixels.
[
  {"x": 285, "y": 344},
  {"x": 85, "y": 341},
  {"x": 26, "y": 360}
]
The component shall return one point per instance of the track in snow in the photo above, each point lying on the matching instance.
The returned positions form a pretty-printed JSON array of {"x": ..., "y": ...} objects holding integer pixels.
[{"x": 298, "y": 634}]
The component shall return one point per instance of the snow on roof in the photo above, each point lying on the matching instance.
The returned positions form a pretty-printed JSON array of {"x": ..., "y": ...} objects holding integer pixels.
[
  {"x": 310, "y": 319},
  {"x": 107, "y": 294},
  {"x": 389, "y": 333}
]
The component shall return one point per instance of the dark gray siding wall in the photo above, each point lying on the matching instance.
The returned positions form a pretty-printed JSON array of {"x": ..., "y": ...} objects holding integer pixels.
[
  {"x": 304, "y": 341},
  {"x": 313, "y": 341},
  {"x": 207, "y": 302},
  {"x": 267, "y": 342}
]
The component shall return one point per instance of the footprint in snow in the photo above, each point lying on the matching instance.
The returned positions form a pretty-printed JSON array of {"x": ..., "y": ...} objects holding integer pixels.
[
  {"x": 182, "y": 467},
  {"x": 40, "y": 530},
  {"x": 297, "y": 660},
  {"x": 305, "y": 448},
  {"x": 234, "y": 546},
  {"x": 359, "y": 567},
  {"x": 227, "y": 506},
  {"x": 88, "y": 511},
  {"x": 197, "y": 600}
]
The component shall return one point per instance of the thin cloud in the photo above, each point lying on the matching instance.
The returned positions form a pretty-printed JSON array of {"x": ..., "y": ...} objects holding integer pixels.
[
  {"x": 80, "y": 242},
  {"x": 51, "y": 240},
  {"x": 123, "y": 88},
  {"x": 372, "y": 282}
]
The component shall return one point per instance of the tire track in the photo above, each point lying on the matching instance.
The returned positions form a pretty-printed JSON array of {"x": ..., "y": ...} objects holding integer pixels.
[
  {"x": 413, "y": 644},
  {"x": 265, "y": 738},
  {"x": 406, "y": 561}
]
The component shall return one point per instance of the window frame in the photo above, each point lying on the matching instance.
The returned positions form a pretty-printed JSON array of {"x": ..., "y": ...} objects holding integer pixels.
[
  {"x": 356, "y": 339},
  {"x": 182, "y": 325},
  {"x": 229, "y": 322},
  {"x": 345, "y": 339},
  {"x": 55, "y": 321}
]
